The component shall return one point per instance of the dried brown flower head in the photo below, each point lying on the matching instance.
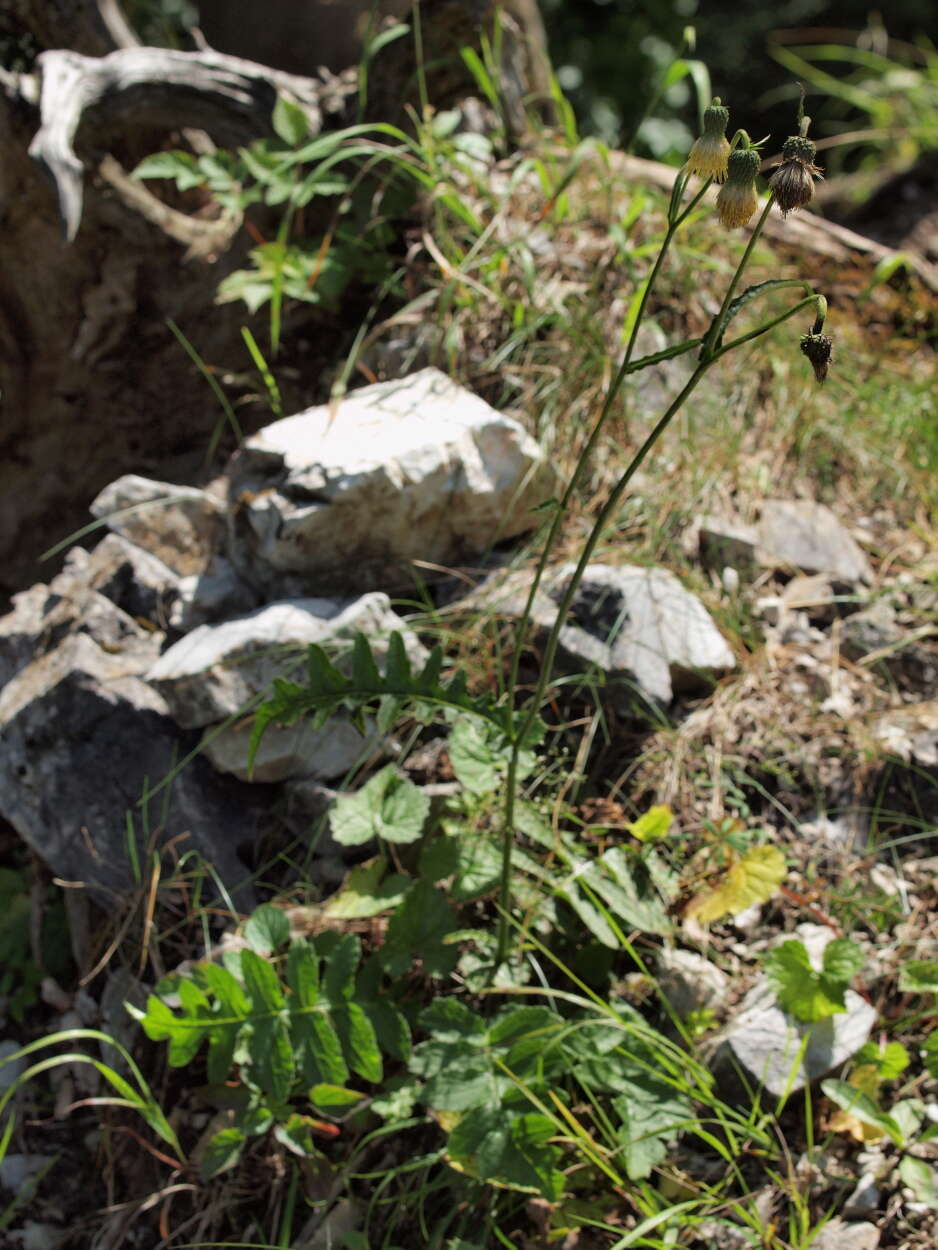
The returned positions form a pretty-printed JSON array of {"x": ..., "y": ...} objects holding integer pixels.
[
  {"x": 817, "y": 348},
  {"x": 793, "y": 181}
]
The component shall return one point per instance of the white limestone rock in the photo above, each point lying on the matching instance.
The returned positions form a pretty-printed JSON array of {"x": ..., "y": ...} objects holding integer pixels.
[
  {"x": 690, "y": 982},
  {"x": 179, "y": 525},
  {"x": 639, "y": 625},
  {"x": 343, "y": 497},
  {"x": 215, "y": 671},
  {"x": 804, "y": 535}
]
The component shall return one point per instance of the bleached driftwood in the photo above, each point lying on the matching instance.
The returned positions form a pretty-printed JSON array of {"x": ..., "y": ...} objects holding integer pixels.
[{"x": 230, "y": 98}]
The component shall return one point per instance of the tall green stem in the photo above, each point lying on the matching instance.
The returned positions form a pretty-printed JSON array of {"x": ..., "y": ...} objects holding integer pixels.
[{"x": 707, "y": 357}]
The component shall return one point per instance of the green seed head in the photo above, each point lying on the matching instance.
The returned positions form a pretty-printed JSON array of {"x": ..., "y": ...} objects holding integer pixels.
[
  {"x": 797, "y": 148},
  {"x": 716, "y": 118},
  {"x": 744, "y": 164}
]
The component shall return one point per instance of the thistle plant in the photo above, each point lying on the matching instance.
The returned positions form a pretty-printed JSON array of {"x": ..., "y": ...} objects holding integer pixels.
[{"x": 712, "y": 158}]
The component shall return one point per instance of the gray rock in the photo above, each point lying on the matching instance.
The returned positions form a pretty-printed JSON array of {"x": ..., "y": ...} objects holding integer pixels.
[
  {"x": 82, "y": 738},
  {"x": 764, "y": 1042},
  {"x": 308, "y": 803},
  {"x": 217, "y": 593},
  {"x": 640, "y": 626},
  {"x": 874, "y": 638},
  {"x": 344, "y": 497},
  {"x": 215, "y": 671},
  {"x": 801, "y": 534},
  {"x": 911, "y": 733},
  {"x": 820, "y": 597},
  {"x": 41, "y": 618},
  {"x": 136, "y": 581},
  {"x": 20, "y": 630},
  {"x": 179, "y": 525},
  {"x": 864, "y": 1199},
  {"x": 690, "y": 982},
  {"x": 839, "y": 1235},
  {"x": 724, "y": 542},
  {"x": 287, "y": 752},
  {"x": 18, "y": 1170}
]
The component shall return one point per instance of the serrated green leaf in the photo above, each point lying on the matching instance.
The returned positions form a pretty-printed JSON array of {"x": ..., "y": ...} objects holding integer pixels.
[
  {"x": 267, "y": 929},
  {"x": 388, "y": 806},
  {"x": 359, "y": 1042},
  {"x": 416, "y": 931},
  {"x": 222, "y": 1152},
  {"x": 890, "y": 1060},
  {"x": 303, "y": 973},
  {"x": 651, "y": 1112},
  {"x": 364, "y": 670},
  {"x": 801, "y": 990},
  {"x": 512, "y": 1151},
  {"x": 478, "y": 868},
  {"x": 368, "y": 892},
  {"x": 477, "y": 763},
  {"x": 842, "y": 960}
]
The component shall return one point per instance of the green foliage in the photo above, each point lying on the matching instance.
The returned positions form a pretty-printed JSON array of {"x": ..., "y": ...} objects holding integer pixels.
[
  {"x": 292, "y": 1016},
  {"x": 365, "y": 691},
  {"x": 805, "y": 992},
  {"x": 387, "y": 806},
  {"x": 484, "y": 1077}
]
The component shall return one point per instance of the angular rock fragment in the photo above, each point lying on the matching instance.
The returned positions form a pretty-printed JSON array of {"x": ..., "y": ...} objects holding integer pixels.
[
  {"x": 344, "y": 497},
  {"x": 288, "y": 752},
  {"x": 41, "y": 619},
  {"x": 640, "y": 626},
  {"x": 136, "y": 581},
  {"x": 217, "y": 670},
  {"x": 800, "y": 534},
  {"x": 179, "y": 525},
  {"x": 724, "y": 542},
  {"x": 82, "y": 740}
]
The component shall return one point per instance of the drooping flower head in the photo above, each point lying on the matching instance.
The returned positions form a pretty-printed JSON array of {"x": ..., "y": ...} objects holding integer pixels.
[
  {"x": 738, "y": 199},
  {"x": 817, "y": 348},
  {"x": 793, "y": 181},
  {"x": 710, "y": 153}
]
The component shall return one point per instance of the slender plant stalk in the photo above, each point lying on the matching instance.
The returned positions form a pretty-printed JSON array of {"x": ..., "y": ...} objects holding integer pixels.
[{"x": 710, "y": 351}]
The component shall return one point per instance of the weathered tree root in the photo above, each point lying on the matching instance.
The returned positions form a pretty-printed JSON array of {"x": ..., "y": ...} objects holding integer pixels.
[{"x": 230, "y": 98}]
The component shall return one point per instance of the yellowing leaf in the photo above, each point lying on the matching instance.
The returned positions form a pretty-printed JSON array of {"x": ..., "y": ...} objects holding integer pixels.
[
  {"x": 752, "y": 879},
  {"x": 654, "y": 825},
  {"x": 866, "y": 1079}
]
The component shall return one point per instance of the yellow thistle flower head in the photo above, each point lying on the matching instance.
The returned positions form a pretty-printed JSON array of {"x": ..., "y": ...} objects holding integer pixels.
[
  {"x": 738, "y": 199},
  {"x": 710, "y": 153},
  {"x": 793, "y": 181}
]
